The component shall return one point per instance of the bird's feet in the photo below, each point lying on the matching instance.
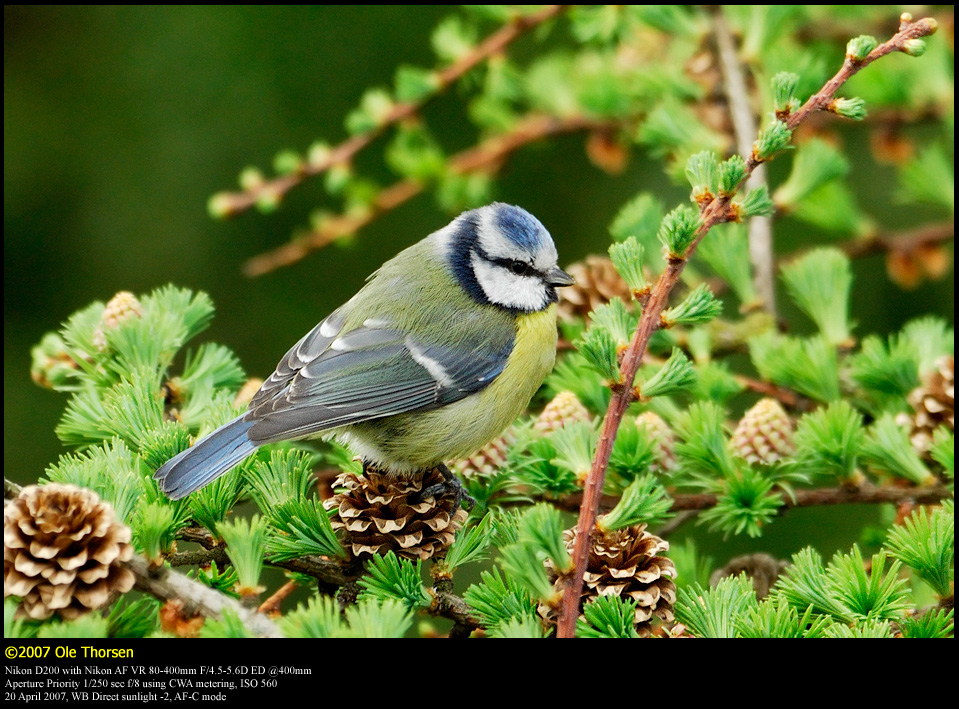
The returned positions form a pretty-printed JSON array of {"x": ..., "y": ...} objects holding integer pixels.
[{"x": 451, "y": 485}]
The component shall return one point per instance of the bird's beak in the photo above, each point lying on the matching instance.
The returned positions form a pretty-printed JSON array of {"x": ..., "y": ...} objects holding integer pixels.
[{"x": 558, "y": 277}]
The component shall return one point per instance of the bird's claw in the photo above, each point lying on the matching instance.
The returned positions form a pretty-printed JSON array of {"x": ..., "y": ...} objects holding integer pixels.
[{"x": 451, "y": 485}]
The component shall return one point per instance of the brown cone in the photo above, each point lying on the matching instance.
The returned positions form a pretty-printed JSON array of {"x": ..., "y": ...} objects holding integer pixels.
[
  {"x": 597, "y": 283},
  {"x": 625, "y": 562},
  {"x": 63, "y": 551},
  {"x": 763, "y": 569},
  {"x": 933, "y": 403},
  {"x": 376, "y": 513}
]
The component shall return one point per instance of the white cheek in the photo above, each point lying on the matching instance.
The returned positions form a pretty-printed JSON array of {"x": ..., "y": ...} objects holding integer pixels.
[{"x": 507, "y": 289}]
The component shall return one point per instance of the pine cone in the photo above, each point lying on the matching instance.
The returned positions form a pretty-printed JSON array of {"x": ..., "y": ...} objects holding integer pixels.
[
  {"x": 764, "y": 434},
  {"x": 624, "y": 562},
  {"x": 121, "y": 307},
  {"x": 934, "y": 403},
  {"x": 375, "y": 515},
  {"x": 488, "y": 459},
  {"x": 597, "y": 283},
  {"x": 763, "y": 569},
  {"x": 564, "y": 408},
  {"x": 62, "y": 551},
  {"x": 663, "y": 438}
]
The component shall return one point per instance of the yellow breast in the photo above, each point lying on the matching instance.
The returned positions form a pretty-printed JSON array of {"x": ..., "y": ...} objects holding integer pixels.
[{"x": 425, "y": 438}]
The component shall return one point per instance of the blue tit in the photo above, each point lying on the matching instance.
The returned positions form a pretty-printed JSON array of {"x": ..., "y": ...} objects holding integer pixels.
[{"x": 435, "y": 356}]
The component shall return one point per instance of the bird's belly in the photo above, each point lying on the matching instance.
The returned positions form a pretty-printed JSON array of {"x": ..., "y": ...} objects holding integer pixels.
[{"x": 422, "y": 439}]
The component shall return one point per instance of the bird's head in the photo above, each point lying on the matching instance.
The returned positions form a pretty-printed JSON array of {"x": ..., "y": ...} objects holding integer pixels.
[{"x": 502, "y": 255}]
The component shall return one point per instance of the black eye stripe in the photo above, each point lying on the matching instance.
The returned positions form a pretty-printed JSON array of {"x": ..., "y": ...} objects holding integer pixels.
[{"x": 515, "y": 266}]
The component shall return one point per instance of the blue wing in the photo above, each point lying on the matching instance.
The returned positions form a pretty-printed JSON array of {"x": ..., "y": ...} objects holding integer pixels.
[{"x": 332, "y": 378}]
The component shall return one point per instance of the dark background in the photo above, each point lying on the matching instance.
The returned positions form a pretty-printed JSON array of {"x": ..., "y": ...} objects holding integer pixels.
[{"x": 120, "y": 122}]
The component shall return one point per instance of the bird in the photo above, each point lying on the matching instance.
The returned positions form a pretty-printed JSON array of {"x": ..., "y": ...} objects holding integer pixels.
[{"x": 438, "y": 353}]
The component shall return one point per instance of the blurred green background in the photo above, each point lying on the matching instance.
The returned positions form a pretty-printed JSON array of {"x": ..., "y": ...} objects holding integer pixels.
[{"x": 120, "y": 122}]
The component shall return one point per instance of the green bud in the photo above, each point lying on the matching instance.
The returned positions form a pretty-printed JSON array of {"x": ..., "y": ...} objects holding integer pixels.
[
  {"x": 53, "y": 365},
  {"x": 268, "y": 201},
  {"x": 541, "y": 526},
  {"x": 246, "y": 548},
  {"x": 678, "y": 230},
  {"x": 774, "y": 138},
  {"x": 375, "y": 107},
  {"x": 784, "y": 90},
  {"x": 616, "y": 320},
  {"x": 156, "y": 526},
  {"x": 700, "y": 306},
  {"x": 414, "y": 84},
  {"x": 627, "y": 258},
  {"x": 859, "y": 47},
  {"x": 452, "y": 39},
  {"x": 337, "y": 178},
  {"x": 287, "y": 162},
  {"x": 599, "y": 349},
  {"x": 854, "y": 108},
  {"x": 702, "y": 173},
  {"x": 220, "y": 205},
  {"x": 943, "y": 450},
  {"x": 677, "y": 374},
  {"x": 731, "y": 173},
  {"x": 887, "y": 448},
  {"x": 644, "y": 500},
  {"x": 914, "y": 47},
  {"x": 640, "y": 217},
  {"x": 251, "y": 178},
  {"x": 318, "y": 155},
  {"x": 757, "y": 203},
  {"x": 828, "y": 441}
]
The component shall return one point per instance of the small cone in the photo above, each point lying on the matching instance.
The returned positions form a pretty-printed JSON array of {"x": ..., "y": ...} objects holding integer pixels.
[
  {"x": 564, "y": 408},
  {"x": 764, "y": 434},
  {"x": 663, "y": 438},
  {"x": 121, "y": 307},
  {"x": 933, "y": 404},
  {"x": 487, "y": 460}
]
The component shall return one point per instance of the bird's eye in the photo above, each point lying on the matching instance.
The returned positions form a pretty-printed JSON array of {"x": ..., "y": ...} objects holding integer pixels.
[{"x": 518, "y": 267}]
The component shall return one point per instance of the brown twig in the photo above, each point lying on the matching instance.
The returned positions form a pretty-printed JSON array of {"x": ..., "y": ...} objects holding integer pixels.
[
  {"x": 165, "y": 584},
  {"x": 823, "y": 99},
  {"x": 715, "y": 212},
  {"x": 199, "y": 557},
  {"x": 272, "y": 604},
  {"x": 488, "y": 155},
  {"x": 902, "y": 242},
  {"x": 232, "y": 203},
  {"x": 866, "y": 493}
]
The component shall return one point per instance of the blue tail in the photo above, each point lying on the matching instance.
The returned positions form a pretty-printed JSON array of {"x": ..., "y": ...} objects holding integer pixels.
[{"x": 206, "y": 460}]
